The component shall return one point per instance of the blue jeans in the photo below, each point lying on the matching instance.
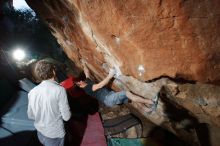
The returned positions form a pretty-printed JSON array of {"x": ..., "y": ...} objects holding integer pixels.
[
  {"x": 50, "y": 141},
  {"x": 114, "y": 98}
]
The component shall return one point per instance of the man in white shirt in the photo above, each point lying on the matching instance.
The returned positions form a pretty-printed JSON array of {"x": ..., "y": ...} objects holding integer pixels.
[{"x": 48, "y": 106}]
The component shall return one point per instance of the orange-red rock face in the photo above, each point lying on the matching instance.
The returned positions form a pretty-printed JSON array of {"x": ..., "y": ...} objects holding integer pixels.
[{"x": 146, "y": 39}]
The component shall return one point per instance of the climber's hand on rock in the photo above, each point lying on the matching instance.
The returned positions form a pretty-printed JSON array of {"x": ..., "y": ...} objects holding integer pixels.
[
  {"x": 112, "y": 72},
  {"x": 83, "y": 62},
  {"x": 117, "y": 74}
]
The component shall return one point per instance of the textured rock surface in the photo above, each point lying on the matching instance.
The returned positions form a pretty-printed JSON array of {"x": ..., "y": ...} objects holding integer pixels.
[
  {"x": 146, "y": 39},
  {"x": 202, "y": 100}
]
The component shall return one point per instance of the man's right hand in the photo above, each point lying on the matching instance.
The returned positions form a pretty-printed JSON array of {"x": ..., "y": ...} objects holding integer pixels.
[
  {"x": 83, "y": 62},
  {"x": 112, "y": 72}
]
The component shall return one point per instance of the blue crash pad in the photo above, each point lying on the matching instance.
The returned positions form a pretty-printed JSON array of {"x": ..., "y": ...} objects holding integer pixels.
[{"x": 14, "y": 115}]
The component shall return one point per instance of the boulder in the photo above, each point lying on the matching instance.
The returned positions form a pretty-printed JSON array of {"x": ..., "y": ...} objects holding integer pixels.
[{"x": 144, "y": 39}]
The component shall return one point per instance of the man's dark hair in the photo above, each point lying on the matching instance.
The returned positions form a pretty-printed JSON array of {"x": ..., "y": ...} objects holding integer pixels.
[{"x": 44, "y": 70}]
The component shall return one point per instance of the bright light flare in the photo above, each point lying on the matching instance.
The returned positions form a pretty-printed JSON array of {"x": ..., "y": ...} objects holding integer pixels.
[
  {"x": 20, "y": 4},
  {"x": 18, "y": 54}
]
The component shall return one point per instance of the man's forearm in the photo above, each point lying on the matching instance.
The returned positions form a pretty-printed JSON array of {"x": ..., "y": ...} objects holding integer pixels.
[
  {"x": 102, "y": 83},
  {"x": 64, "y": 106},
  {"x": 86, "y": 71}
]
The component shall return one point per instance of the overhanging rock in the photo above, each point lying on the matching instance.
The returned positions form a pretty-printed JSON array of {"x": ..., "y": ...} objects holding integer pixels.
[{"x": 145, "y": 39}]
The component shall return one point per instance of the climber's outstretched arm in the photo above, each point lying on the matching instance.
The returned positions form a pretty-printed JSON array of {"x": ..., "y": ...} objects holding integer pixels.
[
  {"x": 85, "y": 69},
  {"x": 105, "y": 81}
]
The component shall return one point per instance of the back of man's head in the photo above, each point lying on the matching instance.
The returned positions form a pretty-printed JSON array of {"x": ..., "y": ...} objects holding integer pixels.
[{"x": 44, "y": 70}]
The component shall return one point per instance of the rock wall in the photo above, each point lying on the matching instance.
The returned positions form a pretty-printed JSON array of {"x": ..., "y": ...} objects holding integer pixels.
[{"x": 146, "y": 40}]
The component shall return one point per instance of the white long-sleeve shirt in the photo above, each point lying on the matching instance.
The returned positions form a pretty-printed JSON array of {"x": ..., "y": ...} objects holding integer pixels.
[{"x": 48, "y": 107}]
